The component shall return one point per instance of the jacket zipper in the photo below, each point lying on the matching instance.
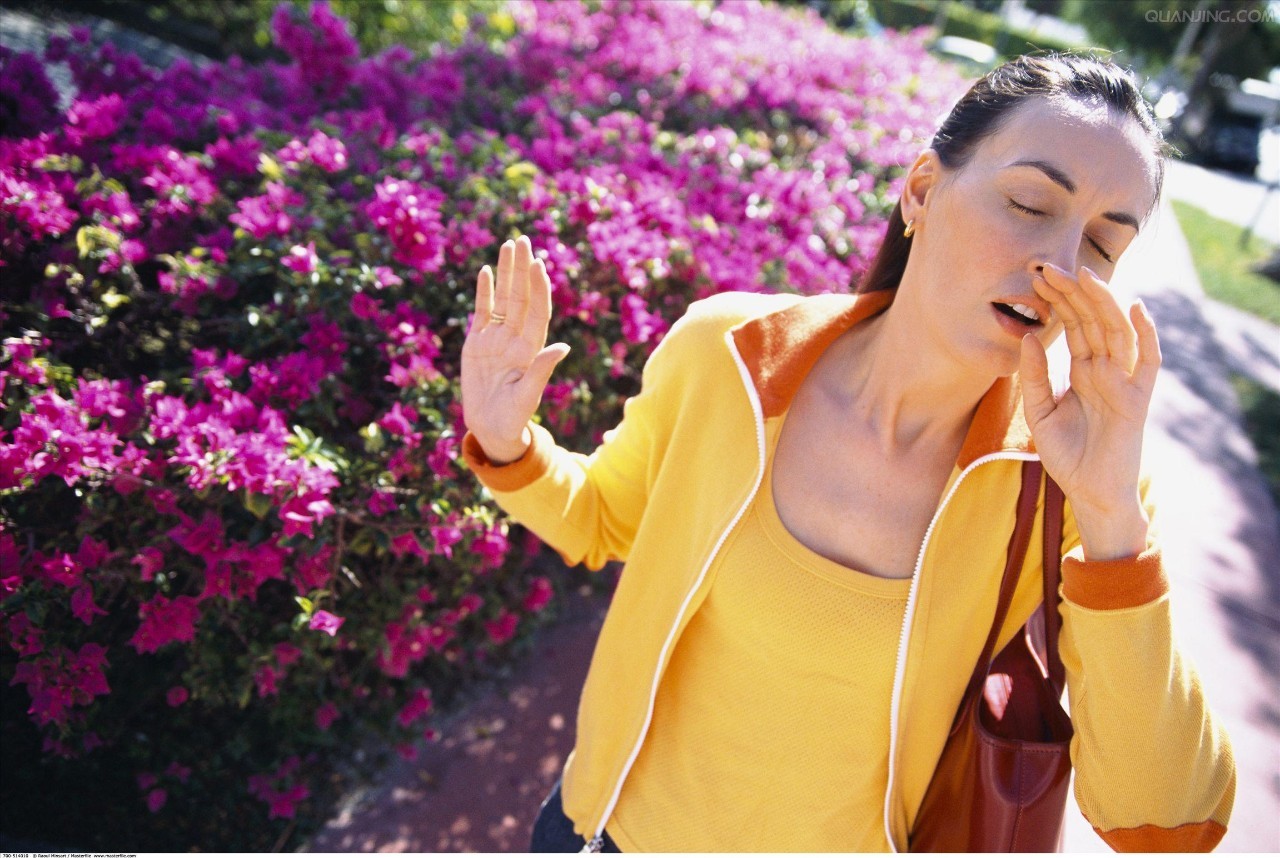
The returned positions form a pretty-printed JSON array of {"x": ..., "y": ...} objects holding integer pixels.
[
  {"x": 904, "y": 637},
  {"x": 596, "y": 843}
]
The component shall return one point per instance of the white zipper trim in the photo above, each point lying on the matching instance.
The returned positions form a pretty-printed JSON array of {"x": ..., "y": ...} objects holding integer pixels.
[
  {"x": 900, "y": 670},
  {"x": 757, "y": 411}
]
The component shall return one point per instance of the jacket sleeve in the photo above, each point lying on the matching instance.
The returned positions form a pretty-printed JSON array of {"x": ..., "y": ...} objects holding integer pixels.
[
  {"x": 588, "y": 507},
  {"x": 1154, "y": 770}
]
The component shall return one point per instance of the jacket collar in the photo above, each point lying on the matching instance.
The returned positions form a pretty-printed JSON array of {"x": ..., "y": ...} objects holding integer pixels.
[{"x": 780, "y": 348}]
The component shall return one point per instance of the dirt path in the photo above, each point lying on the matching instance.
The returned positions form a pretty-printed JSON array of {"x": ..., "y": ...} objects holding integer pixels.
[{"x": 479, "y": 789}]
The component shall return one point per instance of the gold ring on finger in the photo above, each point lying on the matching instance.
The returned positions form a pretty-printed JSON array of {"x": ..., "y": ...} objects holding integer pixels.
[{"x": 497, "y": 317}]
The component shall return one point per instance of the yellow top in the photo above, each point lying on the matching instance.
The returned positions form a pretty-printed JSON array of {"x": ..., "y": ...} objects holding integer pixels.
[
  {"x": 669, "y": 485},
  {"x": 775, "y": 704}
]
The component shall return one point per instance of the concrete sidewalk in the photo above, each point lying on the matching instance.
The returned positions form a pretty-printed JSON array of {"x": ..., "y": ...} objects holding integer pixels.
[{"x": 480, "y": 789}]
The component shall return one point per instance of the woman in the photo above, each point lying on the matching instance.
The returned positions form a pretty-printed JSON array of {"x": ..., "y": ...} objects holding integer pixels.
[{"x": 814, "y": 496}]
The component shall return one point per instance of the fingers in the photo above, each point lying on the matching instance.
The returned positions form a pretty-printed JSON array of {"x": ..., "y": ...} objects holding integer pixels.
[
  {"x": 502, "y": 288},
  {"x": 1081, "y": 307},
  {"x": 1121, "y": 340},
  {"x": 1037, "y": 391},
  {"x": 539, "y": 372},
  {"x": 539, "y": 317},
  {"x": 1071, "y": 323},
  {"x": 1149, "y": 356},
  {"x": 1094, "y": 323},
  {"x": 518, "y": 298},
  {"x": 484, "y": 300}
]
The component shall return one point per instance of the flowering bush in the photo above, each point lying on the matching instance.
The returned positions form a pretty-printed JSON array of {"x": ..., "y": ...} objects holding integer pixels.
[{"x": 231, "y": 507}]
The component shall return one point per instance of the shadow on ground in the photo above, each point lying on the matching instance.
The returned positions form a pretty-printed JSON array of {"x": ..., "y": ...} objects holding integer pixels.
[
  {"x": 1211, "y": 428},
  {"x": 479, "y": 789}
]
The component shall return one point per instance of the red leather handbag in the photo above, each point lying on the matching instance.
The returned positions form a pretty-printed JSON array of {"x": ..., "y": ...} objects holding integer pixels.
[{"x": 1001, "y": 782}]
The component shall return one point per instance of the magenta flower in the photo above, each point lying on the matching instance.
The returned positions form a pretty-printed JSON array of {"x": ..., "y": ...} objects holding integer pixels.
[
  {"x": 410, "y": 216},
  {"x": 503, "y": 628},
  {"x": 83, "y": 607},
  {"x": 176, "y": 696},
  {"x": 418, "y": 705},
  {"x": 302, "y": 259},
  {"x": 323, "y": 621},
  {"x": 165, "y": 621},
  {"x": 268, "y": 214},
  {"x": 266, "y": 678},
  {"x": 325, "y": 715},
  {"x": 540, "y": 593}
]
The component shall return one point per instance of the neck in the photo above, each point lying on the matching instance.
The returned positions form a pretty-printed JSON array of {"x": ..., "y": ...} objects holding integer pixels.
[{"x": 906, "y": 392}]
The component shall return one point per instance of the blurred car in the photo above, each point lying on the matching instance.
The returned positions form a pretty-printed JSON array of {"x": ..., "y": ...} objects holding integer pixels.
[
  {"x": 977, "y": 58},
  {"x": 1225, "y": 128}
]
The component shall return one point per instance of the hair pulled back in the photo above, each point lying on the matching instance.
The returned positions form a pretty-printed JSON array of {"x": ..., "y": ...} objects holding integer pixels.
[{"x": 991, "y": 101}]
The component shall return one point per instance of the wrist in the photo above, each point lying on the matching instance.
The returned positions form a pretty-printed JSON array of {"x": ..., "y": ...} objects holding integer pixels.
[
  {"x": 501, "y": 452},
  {"x": 1112, "y": 531}
]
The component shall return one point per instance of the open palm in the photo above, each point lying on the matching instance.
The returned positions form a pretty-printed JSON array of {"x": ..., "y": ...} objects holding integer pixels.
[{"x": 506, "y": 362}]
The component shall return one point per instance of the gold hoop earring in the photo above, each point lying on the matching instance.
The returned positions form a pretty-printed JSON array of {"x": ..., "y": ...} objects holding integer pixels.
[{"x": 910, "y": 230}]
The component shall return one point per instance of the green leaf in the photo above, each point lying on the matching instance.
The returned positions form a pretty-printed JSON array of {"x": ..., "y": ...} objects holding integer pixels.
[
  {"x": 257, "y": 504},
  {"x": 308, "y": 607}
]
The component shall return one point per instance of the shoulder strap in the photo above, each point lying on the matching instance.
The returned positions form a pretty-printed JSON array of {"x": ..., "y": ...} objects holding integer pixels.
[
  {"x": 1017, "y": 553},
  {"x": 1053, "y": 502}
]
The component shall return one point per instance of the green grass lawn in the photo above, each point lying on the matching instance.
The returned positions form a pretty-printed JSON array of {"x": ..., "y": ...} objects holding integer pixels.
[
  {"x": 1224, "y": 267},
  {"x": 1261, "y": 417}
]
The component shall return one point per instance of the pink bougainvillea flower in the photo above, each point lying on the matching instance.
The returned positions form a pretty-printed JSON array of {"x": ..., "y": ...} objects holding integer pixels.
[
  {"x": 325, "y": 715},
  {"x": 82, "y": 605},
  {"x": 149, "y": 561},
  {"x": 323, "y": 621},
  {"x": 286, "y": 654},
  {"x": 407, "y": 543},
  {"x": 156, "y": 800},
  {"x": 382, "y": 502},
  {"x": 418, "y": 705},
  {"x": 503, "y": 628},
  {"x": 540, "y": 593},
  {"x": 302, "y": 258},
  {"x": 176, "y": 696},
  {"x": 178, "y": 772},
  {"x": 165, "y": 621},
  {"x": 266, "y": 678}
]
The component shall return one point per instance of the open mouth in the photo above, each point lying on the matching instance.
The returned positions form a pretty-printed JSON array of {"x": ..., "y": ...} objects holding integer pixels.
[{"x": 1020, "y": 313}]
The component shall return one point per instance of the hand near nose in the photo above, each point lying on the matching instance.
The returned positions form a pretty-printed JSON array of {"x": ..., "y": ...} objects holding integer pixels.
[
  {"x": 1090, "y": 440},
  {"x": 506, "y": 361}
]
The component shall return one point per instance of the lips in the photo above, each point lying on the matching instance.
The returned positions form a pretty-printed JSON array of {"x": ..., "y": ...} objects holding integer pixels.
[{"x": 1021, "y": 313}]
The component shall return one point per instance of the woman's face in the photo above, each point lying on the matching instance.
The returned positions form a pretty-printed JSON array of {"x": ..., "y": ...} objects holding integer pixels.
[{"x": 1063, "y": 183}]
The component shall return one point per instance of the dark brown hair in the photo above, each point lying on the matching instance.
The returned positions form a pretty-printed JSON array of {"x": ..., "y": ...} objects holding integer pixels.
[{"x": 990, "y": 102}]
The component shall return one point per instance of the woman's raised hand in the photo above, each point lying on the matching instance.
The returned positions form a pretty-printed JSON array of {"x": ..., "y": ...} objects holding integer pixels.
[
  {"x": 506, "y": 361},
  {"x": 1090, "y": 440}
]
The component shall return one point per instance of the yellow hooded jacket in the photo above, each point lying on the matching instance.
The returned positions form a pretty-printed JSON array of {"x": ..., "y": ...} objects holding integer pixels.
[{"x": 663, "y": 492}]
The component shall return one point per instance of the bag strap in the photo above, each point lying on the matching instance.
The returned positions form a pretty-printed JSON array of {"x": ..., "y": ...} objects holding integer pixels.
[
  {"x": 1027, "y": 497},
  {"x": 1053, "y": 502}
]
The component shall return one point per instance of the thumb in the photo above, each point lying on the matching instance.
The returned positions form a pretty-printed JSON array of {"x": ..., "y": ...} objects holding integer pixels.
[
  {"x": 1033, "y": 372},
  {"x": 540, "y": 368}
]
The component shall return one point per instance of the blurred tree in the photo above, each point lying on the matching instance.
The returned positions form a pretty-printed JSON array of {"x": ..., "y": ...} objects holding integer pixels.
[
  {"x": 1229, "y": 36},
  {"x": 221, "y": 28}
]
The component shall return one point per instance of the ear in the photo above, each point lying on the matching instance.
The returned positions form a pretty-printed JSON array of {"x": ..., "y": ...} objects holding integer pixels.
[{"x": 922, "y": 177}]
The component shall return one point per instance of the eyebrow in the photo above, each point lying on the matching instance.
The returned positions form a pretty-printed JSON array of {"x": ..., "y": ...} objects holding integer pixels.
[{"x": 1060, "y": 178}]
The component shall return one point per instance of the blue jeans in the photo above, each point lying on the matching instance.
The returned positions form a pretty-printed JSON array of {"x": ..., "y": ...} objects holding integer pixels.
[{"x": 553, "y": 832}]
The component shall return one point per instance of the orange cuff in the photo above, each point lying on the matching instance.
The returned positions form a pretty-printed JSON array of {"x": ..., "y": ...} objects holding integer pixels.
[
  {"x": 512, "y": 476},
  {"x": 1192, "y": 837},
  {"x": 1110, "y": 584}
]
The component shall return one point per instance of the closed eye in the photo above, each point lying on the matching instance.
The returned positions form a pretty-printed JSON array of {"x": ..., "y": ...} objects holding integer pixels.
[{"x": 1017, "y": 206}]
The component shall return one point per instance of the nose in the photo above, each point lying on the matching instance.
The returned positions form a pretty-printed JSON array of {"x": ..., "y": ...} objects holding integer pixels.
[{"x": 1065, "y": 255}]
